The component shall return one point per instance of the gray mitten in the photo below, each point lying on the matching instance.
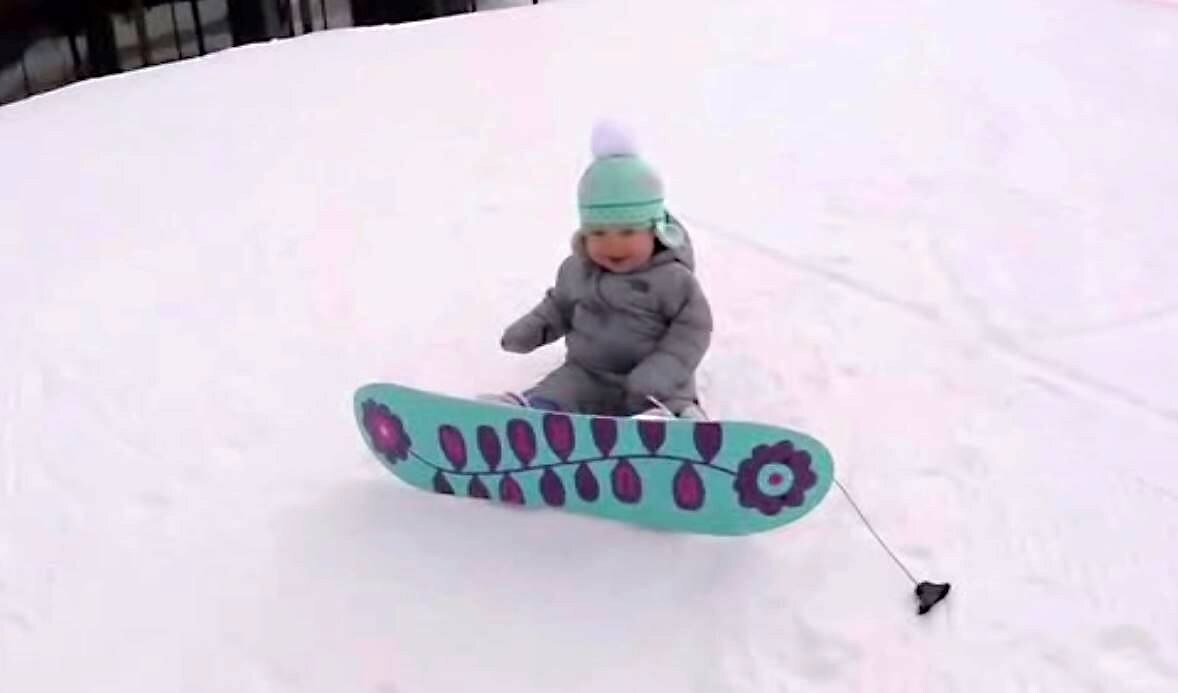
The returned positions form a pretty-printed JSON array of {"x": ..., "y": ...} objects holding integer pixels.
[
  {"x": 547, "y": 322},
  {"x": 526, "y": 335}
]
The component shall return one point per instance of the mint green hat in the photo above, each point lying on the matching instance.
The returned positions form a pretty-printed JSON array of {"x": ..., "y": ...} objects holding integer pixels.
[{"x": 619, "y": 187}]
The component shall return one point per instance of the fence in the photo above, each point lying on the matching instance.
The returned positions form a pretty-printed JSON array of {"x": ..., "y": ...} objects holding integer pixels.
[{"x": 45, "y": 44}]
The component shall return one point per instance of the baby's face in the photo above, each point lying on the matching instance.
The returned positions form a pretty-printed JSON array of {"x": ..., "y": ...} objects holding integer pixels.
[{"x": 619, "y": 248}]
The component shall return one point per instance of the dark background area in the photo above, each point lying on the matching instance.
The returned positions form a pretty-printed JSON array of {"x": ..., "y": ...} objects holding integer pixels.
[{"x": 45, "y": 44}]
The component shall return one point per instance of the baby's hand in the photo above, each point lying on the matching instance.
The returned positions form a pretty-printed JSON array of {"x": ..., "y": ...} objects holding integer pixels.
[
  {"x": 525, "y": 335},
  {"x": 657, "y": 376}
]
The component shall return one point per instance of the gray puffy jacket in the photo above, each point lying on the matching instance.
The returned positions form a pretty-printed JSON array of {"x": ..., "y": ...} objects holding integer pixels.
[{"x": 645, "y": 331}]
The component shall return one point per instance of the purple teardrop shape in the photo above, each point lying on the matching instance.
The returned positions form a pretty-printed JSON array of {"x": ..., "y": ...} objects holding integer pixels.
[
  {"x": 709, "y": 437},
  {"x": 605, "y": 434},
  {"x": 688, "y": 488},
  {"x": 558, "y": 430},
  {"x": 551, "y": 487},
  {"x": 489, "y": 447},
  {"x": 509, "y": 490},
  {"x": 522, "y": 440},
  {"x": 587, "y": 487},
  {"x": 653, "y": 433},
  {"x": 627, "y": 485},
  {"x": 453, "y": 445},
  {"x": 477, "y": 489},
  {"x": 441, "y": 485}
]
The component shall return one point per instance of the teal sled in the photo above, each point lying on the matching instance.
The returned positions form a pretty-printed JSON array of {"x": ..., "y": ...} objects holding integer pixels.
[{"x": 704, "y": 477}]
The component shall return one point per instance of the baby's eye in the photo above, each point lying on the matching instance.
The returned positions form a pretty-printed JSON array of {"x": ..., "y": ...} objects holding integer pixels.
[
  {"x": 597, "y": 233},
  {"x": 626, "y": 233}
]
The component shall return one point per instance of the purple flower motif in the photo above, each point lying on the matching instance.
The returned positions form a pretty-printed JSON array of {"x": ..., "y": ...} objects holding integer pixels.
[
  {"x": 386, "y": 431},
  {"x": 774, "y": 477}
]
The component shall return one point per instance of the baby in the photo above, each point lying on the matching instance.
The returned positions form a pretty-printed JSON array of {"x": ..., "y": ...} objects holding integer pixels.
[{"x": 634, "y": 318}]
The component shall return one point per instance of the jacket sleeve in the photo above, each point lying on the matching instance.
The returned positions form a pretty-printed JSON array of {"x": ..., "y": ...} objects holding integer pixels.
[
  {"x": 547, "y": 322},
  {"x": 679, "y": 352}
]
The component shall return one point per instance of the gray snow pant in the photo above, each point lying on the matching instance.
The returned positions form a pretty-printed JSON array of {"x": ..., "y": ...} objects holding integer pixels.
[{"x": 572, "y": 388}]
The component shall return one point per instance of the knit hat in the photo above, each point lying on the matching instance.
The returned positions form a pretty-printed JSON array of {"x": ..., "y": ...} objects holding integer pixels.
[{"x": 620, "y": 188}]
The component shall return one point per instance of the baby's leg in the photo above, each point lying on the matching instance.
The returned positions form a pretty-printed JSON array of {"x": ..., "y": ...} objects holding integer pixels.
[{"x": 573, "y": 389}]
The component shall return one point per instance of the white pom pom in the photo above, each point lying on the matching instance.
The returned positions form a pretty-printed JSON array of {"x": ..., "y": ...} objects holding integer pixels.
[{"x": 612, "y": 139}]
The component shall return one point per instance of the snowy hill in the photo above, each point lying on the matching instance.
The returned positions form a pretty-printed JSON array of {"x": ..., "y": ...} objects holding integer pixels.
[{"x": 939, "y": 238}]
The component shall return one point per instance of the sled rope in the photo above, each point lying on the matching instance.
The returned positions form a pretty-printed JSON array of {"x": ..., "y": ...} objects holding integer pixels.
[
  {"x": 875, "y": 534},
  {"x": 665, "y": 409},
  {"x": 928, "y": 594},
  {"x": 846, "y": 493}
]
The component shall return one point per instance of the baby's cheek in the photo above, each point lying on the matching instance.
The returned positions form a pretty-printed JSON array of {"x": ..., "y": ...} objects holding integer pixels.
[{"x": 594, "y": 251}]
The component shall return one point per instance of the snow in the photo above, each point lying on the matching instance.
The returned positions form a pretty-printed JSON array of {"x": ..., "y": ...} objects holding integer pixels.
[{"x": 936, "y": 236}]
